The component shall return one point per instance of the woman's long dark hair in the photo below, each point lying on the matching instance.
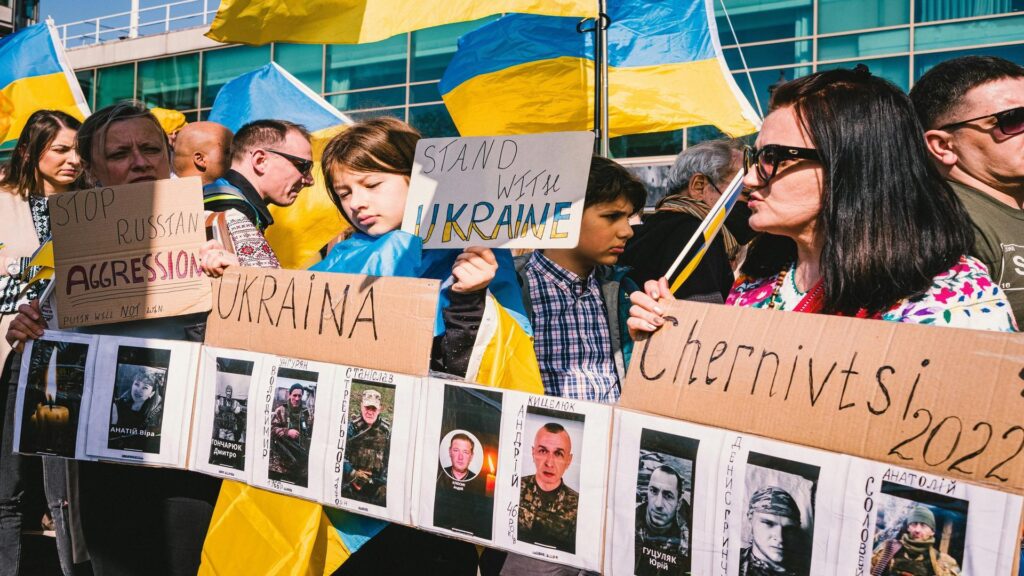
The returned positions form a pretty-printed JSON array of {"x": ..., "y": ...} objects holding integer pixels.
[
  {"x": 37, "y": 135},
  {"x": 889, "y": 221}
]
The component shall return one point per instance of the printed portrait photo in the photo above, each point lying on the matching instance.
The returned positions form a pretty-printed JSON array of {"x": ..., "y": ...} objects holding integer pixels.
[
  {"x": 664, "y": 499},
  {"x": 778, "y": 516},
  {"x": 53, "y": 397},
  {"x": 550, "y": 479},
  {"x": 371, "y": 411},
  {"x": 467, "y": 460},
  {"x": 291, "y": 425},
  {"x": 918, "y": 532},
  {"x": 137, "y": 406},
  {"x": 227, "y": 447}
]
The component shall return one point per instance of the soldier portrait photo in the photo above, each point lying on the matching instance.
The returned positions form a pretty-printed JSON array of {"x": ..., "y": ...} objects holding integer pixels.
[
  {"x": 371, "y": 410},
  {"x": 778, "y": 520},
  {"x": 230, "y": 412},
  {"x": 137, "y": 405},
  {"x": 291, "y": 426},
  {"x": 918, "y": 533},
  {"x": 467, "y": 461},
  {"x": 664, "y": 497},
  {"x": 550, "y": 479},
  {"x": 53, "y": 397}
]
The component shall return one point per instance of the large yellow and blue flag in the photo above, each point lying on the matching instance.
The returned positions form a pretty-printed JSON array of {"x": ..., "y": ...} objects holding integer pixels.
[
  {"x": 300, "y": 230},
  {"x": 359, "y": 21},
  {"x": 525, "y": 74},
  {"x": 35, "y": 75}
]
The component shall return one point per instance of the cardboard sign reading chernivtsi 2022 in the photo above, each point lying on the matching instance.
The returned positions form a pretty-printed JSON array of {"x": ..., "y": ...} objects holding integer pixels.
[
  {"x": 131, "y": 252},
  {"x": 522, "y": 191}
]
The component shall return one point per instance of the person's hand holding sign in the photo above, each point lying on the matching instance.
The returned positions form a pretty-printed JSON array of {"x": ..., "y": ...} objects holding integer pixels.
[
  {"x": 27, "y": 325},
  {"x": 474, "y": 269},
  {"x": 645, "y": 315},
  {"x": 215, "y": 258}
]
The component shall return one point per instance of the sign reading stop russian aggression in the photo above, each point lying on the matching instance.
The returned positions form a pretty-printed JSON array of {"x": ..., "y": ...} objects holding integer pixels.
[
  {"x": 129, "y": 252},
  {"x": 522, "y": 191}
]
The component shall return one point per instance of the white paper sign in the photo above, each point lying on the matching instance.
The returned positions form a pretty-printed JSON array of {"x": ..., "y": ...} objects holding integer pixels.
[
  {"x": 661, "y": 510},
  {"x": 522, "y": 191},
  {"x": 972, "y": 528},
  {"x": 778, "y": 506},
  {"x": 141, "y": 404},
  {"x": 372, "y": 436},
  {"x": 52, "y": 409},
  {"x": 294, "y": 401},
  {"x": 222, "y": 444}
]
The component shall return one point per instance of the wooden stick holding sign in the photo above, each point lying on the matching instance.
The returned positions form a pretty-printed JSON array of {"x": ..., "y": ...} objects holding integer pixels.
[{"x": 522, "y": 191}]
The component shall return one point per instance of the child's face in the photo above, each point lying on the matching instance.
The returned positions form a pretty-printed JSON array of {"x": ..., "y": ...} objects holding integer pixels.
[
  {"x": 604, "y": 232},
  {"x": 373, "y": 201}
]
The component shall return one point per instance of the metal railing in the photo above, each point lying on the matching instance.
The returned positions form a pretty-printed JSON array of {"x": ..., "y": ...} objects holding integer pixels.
[{"x": 141, "y": 22}]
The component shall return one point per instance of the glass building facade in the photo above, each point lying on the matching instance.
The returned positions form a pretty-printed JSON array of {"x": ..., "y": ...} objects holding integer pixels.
[{"x": 764, "y": 42}]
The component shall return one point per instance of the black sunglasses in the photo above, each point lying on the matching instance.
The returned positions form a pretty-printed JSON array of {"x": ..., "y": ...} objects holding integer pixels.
[
  {"x": 305, "y": 167},
  {"x": 768, "y": 157},
  {"x": 1009, "y": 122}
]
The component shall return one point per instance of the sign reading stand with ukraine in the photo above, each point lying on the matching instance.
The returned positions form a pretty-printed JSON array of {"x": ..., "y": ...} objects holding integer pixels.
[{"x": 35, "y": 76}]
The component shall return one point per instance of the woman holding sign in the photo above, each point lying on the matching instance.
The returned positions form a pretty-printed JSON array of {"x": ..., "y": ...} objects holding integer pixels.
[{"x": 855, "y": 219}]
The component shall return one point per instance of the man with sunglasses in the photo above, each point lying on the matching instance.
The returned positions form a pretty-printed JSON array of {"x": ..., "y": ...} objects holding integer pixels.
[
  {"x": 271, "y": 161},
  {"x": 972, "y": 110}
]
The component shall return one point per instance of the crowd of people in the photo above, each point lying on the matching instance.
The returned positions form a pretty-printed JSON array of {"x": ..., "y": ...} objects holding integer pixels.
[{"x": 859, "y": 201}]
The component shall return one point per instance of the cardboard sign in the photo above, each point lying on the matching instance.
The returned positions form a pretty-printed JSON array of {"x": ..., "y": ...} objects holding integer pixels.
[
  {"x": 502, "y": 191},
  {"x": 942, "y": 400},
  {"x": 129, "y": 252},
  {"x": 374, "y": 322}
]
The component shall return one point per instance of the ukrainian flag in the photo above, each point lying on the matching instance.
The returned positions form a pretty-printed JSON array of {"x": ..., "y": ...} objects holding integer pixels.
[
  {"x": 359, "y": 21},
  {"x": 525, "y": 74},
  {"x": 300, "y": 230},
  {"x": 34, "y": 75}
]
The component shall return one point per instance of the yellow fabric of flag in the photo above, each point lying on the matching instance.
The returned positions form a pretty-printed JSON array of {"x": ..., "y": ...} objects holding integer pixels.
[{"x": 359, "y": 21}]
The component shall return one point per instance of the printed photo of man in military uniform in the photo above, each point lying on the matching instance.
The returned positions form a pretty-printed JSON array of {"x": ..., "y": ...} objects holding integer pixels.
[
  {"x": 918, "y": 533},
  {"x": 664, "y": 492},
  {"x": 291, "y": 428},
  {"x": 368, "y": 445},
  {"x": 547, "y": 506},
  {"x": 230, "y": 410}
]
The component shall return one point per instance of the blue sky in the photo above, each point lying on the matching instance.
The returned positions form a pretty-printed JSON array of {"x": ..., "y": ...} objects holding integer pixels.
[{"x": 64, "y": 11}]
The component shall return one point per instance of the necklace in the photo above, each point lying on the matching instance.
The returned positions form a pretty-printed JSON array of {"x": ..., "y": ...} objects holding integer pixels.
[{"x": 779, "y": 281}]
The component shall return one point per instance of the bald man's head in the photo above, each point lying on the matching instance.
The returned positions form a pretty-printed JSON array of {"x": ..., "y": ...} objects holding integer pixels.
[{"x": 202, "y": 149}]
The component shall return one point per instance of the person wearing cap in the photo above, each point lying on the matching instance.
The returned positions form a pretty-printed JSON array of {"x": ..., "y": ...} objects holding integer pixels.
[
  {"x": 776, "y": 536},
  {"x": 914, "y": 552},
  {"x": 366, "y": 453},
  {"x": 291, "y": 431},
  {"x": 662, "y": 534}
]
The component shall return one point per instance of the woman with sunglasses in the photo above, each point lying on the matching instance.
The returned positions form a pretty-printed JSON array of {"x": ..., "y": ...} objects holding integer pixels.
[{"x": 854, "y": 218}]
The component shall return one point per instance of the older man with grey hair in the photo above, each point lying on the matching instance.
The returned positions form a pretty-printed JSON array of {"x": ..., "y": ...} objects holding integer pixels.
[{"x": 698, "y": 177}]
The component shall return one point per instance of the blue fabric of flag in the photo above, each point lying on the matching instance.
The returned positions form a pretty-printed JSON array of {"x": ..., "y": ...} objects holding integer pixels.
[{"x": 27, "y": 53}]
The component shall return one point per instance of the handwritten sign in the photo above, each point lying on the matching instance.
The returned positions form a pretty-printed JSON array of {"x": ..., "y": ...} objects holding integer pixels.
[
  {"x": 367, "y": 321},
  {"x": 129, "y": 252},
  {"x": 941, "y": 400},
  {"x": 503, "y": 191}
]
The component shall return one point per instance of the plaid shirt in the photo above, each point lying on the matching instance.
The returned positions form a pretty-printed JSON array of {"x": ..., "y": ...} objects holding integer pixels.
[{"x": 570, "y": 331}]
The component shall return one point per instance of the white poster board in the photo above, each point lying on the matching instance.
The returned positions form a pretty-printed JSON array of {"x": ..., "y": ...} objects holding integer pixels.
[
  {"x": 662, "y": 506},
  {"x": 222, "y": 442},
  {"x": 293, "y": 401},
  {"x": 973, "y": 528},
  {"x": 779, "y": 505},
  {"x": 521, "y": 191},
  {"x": 141, "y": 403},
  {"x": 373, "y": 422},
  {"x": 52, "y": 405}
]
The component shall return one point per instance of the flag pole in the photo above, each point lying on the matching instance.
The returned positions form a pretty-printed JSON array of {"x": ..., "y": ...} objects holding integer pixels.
[{"x": 601, "y": 79}]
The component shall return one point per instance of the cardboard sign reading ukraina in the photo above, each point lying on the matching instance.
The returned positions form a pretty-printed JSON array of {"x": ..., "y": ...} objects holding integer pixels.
[
  {"x": 503, "y": 191},
  {"x": 129, "y": 252}
]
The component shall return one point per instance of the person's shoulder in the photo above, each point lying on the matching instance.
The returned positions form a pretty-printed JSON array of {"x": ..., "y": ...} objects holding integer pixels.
[{"x": 568, "y": 493}]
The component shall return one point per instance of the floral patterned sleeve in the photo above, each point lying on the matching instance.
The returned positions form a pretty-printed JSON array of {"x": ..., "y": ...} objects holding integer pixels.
[
  {"x": 962, "y": 297},
  {"x": 750, "y": 292}
]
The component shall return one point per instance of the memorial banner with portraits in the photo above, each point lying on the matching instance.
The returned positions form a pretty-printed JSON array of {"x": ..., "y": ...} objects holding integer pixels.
[
  {"x": 293, "y": 399},
  {"x": 899, "y": 521},
  {"x": 662, "y": 505},
  {"x": 221, "y": 442},
  {"x": 372, "y": 431},
  {"x": 51, "y": 413},
  {"x": 459, "y": 448},
  {"x": 779, "y": 507},
  {"x": 141, "y": 403}
]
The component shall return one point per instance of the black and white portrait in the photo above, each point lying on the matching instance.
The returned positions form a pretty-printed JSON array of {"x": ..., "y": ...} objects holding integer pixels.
[
  {"x": 664, "y": 504},
  {"x": 230, "y": 410}
]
